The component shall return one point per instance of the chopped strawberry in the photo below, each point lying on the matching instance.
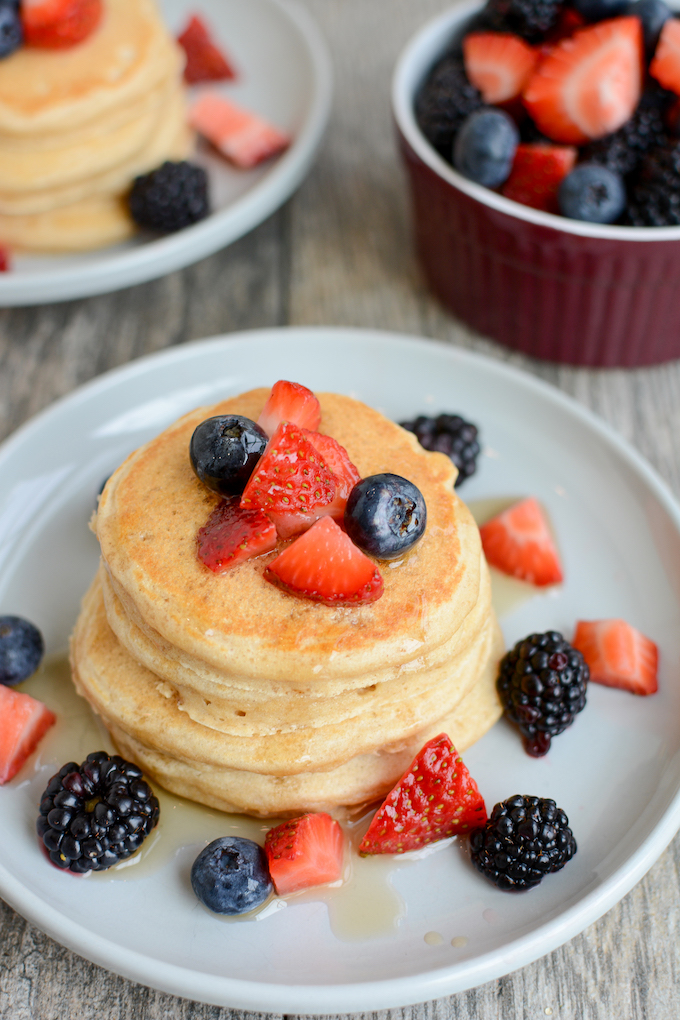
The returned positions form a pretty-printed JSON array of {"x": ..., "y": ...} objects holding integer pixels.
[
  {"x": 665, "y": 65},
  {"x": 5, "y": 259},
  {"x": 518, "y": 542},
  {"x": 289, "y": 401},
  {"x": 325, "y": 565},
  {"x": 291, "y": 482},
  {"x": 232, "y": 534},
  {"x": 243, "y": 137},
  {"x": 345, "y": 474},
  {"x": 23, "y": 723},
  {"x": 305, "y": 851},
  {"x": 589, "y": 84},
  {"x": 434, "y": 799},
  {"x": 205, "y": 62},
  {"x": 58, "y": 24},
  {"x": 499, "y": 64},
  {"x": 536, "y": 174},
  {"x": 618, "y": 655}
]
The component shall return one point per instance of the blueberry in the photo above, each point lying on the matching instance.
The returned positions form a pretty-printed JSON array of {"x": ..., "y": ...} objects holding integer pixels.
[
  {"x": 224, "y": 451},
  {"x": 385, "y": 515},
  {"x": 592, "y": 193},
  {"x": 21, "y": 649},
  {"x": 11, "y": 33},
  {"x": 231, "y": 875},
  {"x": 598, "y": 10},
  {"x": 653, "y": 14},
  {"x": 485, "y": 147}
]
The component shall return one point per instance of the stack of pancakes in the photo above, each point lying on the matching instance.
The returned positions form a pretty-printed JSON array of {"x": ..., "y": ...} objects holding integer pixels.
[
  {"x": 229, "y": 691},
  {"x": 77, "y": 125}
]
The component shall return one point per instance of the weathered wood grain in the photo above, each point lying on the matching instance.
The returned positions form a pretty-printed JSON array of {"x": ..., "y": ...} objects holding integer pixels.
[{"x": 340, "y": 253}]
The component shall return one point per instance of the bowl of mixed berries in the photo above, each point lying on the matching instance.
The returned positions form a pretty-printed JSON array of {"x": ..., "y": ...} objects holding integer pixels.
[{"x": 541, "y": 140}]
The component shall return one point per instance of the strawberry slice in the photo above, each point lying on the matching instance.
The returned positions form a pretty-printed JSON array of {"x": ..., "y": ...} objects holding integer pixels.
[
  {"x": 23, "y": 723},
  {"x": 5, "y": 259},
  {"x": 304, "y": 852},
  {"x": 618, "y": 655},
  {"x": 205, "y": 61},
  {"x": 434, "y": 799},
  {"x": 589, "y": 84},
  {"x": 498, "y": 63},
  {"x": 58, "y": 24},
  {"x": 537, "y": 171},
  {"x": 665, "y": 65},
  {"x": 232, "y": 534},
  {"x": 325, "y": 565},
  {"x": 345, "y": 473},
  {"x": 518, "y": 542},
  {"x": 291, "y": 482},
  {"x": 289, "y": 401},
  {"x": 243, "y": 137}
]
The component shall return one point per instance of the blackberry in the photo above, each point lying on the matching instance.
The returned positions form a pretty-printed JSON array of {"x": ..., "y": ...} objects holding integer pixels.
[
  {"x": 542, "y": 685},
  {"x": 623, "y": 150},
  {"x": 654, "y": 191},
  {"x": 170, "y": 198},
  {"x": 444, "y": 101},
  {"x": 96, "y": 814},
  {"x": 524, "y": 839},
  {"x": 449, "y": 434},
  {"x": 531, "y": 19}
]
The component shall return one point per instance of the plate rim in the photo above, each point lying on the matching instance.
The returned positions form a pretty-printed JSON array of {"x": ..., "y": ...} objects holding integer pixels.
[
  {"x": 164, "y": 255},
  {"x": 358, "y": 996}
]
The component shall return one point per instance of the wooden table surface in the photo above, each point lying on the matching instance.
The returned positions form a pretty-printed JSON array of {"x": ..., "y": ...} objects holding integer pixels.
[{"x": 339, "y": 253}]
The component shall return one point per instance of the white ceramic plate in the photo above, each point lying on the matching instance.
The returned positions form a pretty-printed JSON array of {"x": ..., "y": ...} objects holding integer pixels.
[
  {"x": 284, "y": 74},
  {"x": 616, "y": 771}
]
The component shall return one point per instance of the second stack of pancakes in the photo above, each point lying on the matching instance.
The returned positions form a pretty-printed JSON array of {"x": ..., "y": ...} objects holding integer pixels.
[{"x": 231, "y": 692}]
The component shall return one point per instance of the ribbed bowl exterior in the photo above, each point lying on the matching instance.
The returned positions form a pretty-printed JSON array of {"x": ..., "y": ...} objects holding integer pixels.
[{"x": 548, "y": 293}]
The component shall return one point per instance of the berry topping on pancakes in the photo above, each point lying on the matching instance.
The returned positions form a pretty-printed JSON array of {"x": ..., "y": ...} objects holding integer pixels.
[{"x": 58, "y": 24}]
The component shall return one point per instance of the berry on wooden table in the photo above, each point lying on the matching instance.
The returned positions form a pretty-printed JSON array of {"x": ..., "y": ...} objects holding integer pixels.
[{"x": 434, "y": 799}]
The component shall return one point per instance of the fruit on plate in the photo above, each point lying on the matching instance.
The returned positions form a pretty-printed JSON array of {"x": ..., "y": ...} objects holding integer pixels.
[
  {"x": 304, "y": 852},
  {"x": 590, "y": 84},
  {"x": 291, "y": 482},
  {"x": 21, "y": 649},
  {"x": 542, "y": 684},
  {"x": 485, "y": 147},
  {"x": 524, "y": 840},
  {"x": 231, "y": 875},
  {"x": 518, "y": 542},
  {"x": 434, "y": 799},
  {"x": 324, "y": 565},
  {"x": 289, "y": 401},
  {"x": 592, "y": 193},
  {"x": 242, "y": 136},
  {"x": 385, "y": 515},
  {"x": 665, "y": 65},
  {"x": 24, "y": 721},
  {"x": 618, "y": 655},
  {"x": 11, "y": 31},
  {"x": 536, "y": 174},
  {"x": 205, "y": 61},
  {"x": 224, "y": 450},
  {"x": 170, "y": 198},
  {"x": 450, "y": 434},
  {"x": 95, "y": 814},
  {"x": 232, "y": 534},
  {"x": 499, "y": 64},
  {"x": 58, "y": 24},
  {"x": 5, "y": 259}
]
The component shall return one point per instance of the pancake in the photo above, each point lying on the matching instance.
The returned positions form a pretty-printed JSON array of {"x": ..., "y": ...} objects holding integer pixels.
[
  {"x": 191, "y": 760},
  {"x": 83, "y": 226},
  {"x": 125, "y": 58},
  {"x": 228, "y": 690}
]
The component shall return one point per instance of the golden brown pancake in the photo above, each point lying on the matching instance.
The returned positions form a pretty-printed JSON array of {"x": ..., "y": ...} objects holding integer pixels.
[{"x": 236, "y": 693}]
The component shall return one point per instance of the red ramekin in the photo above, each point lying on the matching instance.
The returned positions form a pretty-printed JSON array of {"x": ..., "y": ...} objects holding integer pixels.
[{"x": 559, "y": 289}]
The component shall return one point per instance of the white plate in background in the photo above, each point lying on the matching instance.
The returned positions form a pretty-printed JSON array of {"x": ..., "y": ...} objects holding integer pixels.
[
  {"x": 284, "y": 74},
  {"x": 616, "y": 771}
]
